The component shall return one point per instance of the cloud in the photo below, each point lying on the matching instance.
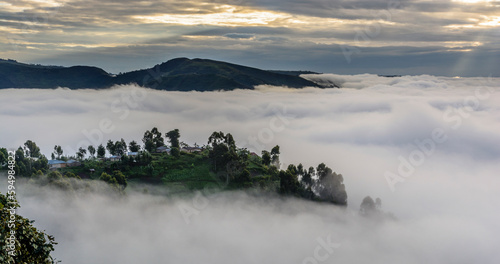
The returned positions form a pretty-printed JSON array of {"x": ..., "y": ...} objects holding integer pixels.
[
  {"x": 239, "y": 35},
  {"x": 125, "y": 36},
  {"x": 446, "y": 206}
]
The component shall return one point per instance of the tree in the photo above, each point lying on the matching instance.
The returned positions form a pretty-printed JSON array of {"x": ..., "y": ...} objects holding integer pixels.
[
  {"x": 133, "y": 146},
  {"x": 223, "y": 149},
  {"x": 157, "y": 137},
  {"x": 152, "y": 139},
  {"x": 149, "y": 146},
  {"x": 292, "y": 169},
  {"x": 117, "y": 179},
  {"x": 173, "y": 138},
  {"x": 266, "y": 158},
  {"x": 175, "y": 152},
  {"x": 81, "y": 153},
  {"x": 300, "y": 170},
  {"x": 322, "y": 170},
  {"x": 108, "y": 179},
  {"x": 288, "y": 182},
  {"x": 32, "y": 149},
  {"x": 121, "y": 179},
  {"x": 330, "y": 185},
  {"x": 110, "y": 146},
  {"x": 58, "y": 151},
  {"x": 243, "y": 177},
  {"x": 30, "y": 245},
  {"x": 275, "y": 156},
  {"x": 367, "y": 206},
  {"x": 101, "y": 151},
  {"x": 307, "y": 177},
  {"x": 120, "y": 147},
  {"x": 91, "y": 150}
]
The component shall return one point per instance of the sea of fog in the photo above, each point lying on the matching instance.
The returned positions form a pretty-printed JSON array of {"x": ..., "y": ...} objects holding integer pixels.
[{"x": 428, "y": 146}]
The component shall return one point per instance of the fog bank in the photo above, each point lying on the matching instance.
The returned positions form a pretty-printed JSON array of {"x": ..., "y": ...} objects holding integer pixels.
[{"x": 427, "y": 146}]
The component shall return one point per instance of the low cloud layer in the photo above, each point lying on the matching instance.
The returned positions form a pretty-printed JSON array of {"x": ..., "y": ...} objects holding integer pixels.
[{"x": 443, "y": 187}]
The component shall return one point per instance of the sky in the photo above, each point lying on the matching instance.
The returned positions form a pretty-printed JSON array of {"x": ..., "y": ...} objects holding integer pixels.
[
  {"x": 426, "y": 145},
  {"x": 446, "y": 38}
]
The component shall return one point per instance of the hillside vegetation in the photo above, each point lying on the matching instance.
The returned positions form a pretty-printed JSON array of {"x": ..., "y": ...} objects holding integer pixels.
[{"x": 181, "y": 74}]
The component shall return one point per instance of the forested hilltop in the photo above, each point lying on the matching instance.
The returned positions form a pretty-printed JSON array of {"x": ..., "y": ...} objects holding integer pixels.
[
  {"x": 180, "y": 74},
  {"x": 164, "y": 161}
]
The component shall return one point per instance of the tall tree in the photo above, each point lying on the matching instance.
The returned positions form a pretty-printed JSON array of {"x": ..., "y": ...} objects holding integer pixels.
[
  {"x": 58, "y": 151},
  {"x": 32, "y": 149},
  {"x": 173, "y": 138},
  {"x": 157, "y": 137},
  {"x": 120, "y": 147},
  {"x": 223, "y": 149},
  {"x": 91, "y": 150},
  {"x": 31, "y": 244},
  {"x": 152, "y": 139},
  {"x": 110, "y": 146},
  {"x": 133, "y": 146},
  {"x": 266, "y": 158},
  {"x": 101, "y": 151},
  {"x": 81, "y": 153},
  {"x": 330, "y": 185},
  {"x": 275, "y": 156}
]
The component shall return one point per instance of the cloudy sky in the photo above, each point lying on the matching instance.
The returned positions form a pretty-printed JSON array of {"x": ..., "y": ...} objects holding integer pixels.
[{"x": 451, "y": 38}]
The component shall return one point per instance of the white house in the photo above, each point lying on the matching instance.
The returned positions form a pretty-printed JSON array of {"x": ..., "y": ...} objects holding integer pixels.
[{"x": 191, "y": 149}]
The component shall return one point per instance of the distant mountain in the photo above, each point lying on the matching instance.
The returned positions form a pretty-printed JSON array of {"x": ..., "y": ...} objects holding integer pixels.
[{"x": 179, "y": 74}]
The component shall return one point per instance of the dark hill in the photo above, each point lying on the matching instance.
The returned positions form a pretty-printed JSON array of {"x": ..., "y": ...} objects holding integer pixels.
[{"x": 180, "y": 74}]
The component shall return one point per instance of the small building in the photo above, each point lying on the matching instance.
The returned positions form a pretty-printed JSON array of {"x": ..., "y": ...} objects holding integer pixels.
[
  {"x": 191, "y": 149},
  {"x": 163, "y": 149},
  {"x": 56, "y": 164},
  {"x": 73, "y": 163},
  {"x": 132, "y": 154},
  {"x": 115, "y": 158}
]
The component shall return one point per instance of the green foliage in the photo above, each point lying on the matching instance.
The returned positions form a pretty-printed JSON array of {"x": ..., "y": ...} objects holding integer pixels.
[
  {"x": 32, "y": 150},
  {"x": 133, "y": 146},
  {"x": 152, "y": 139},
  {"x": 175, "y": 152},
  {"x": 266, "y": 158},
  {"x": 275, "y": 156},
  {"x": 108, "y": 179},
  {"x": 117, "y": 179},
  {"x": 91, "y": 150},
  {"x": 222, "y": 151},
  {"x": 173, "y": 137},
  {"x": 220, "y": 163},
  {"x": 121, "y": 179},
  {"x": 120, "y": 147},
  {"x": 27, "y": 165},
  {"x": 179, "y": 74},
  {"x": 81, "y": 153},
  {"x": 288, "y": 182},
  {"x": 31, "y": 244},
  {"x": 110, "y": 146},
  {"x": 58, "y": 151}
]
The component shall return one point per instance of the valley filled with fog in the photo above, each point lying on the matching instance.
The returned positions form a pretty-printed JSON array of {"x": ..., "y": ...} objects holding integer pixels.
[{"x": 428, "y": 146}]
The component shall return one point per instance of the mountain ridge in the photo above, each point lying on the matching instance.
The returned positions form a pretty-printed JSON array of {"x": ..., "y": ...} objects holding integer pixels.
[{"x": 179, "y": 74}]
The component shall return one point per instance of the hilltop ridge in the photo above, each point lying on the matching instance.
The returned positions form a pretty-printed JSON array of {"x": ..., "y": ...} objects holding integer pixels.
[{"x": 180, "y": 74}]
